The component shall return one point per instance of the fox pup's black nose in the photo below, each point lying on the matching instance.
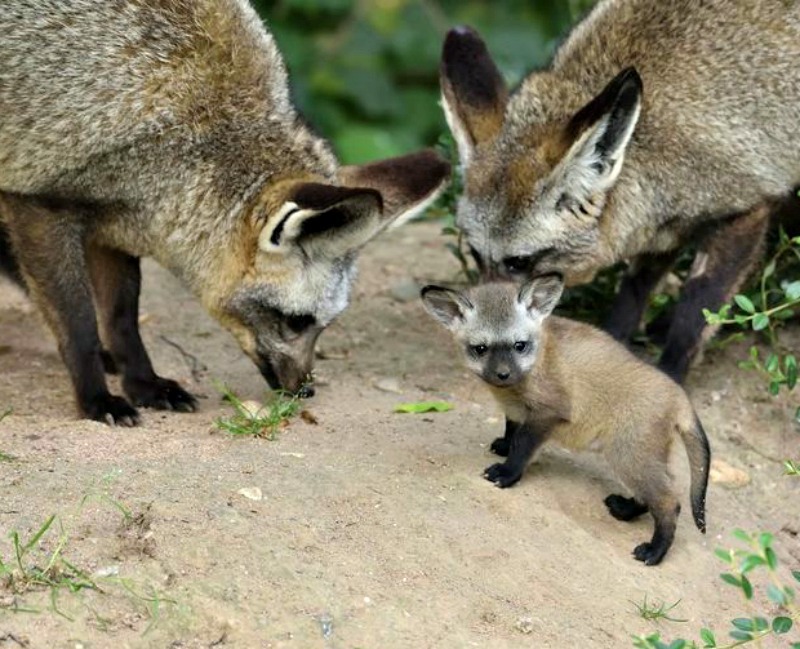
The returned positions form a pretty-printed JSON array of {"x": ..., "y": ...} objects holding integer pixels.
[{"x": 503, "y": 376}]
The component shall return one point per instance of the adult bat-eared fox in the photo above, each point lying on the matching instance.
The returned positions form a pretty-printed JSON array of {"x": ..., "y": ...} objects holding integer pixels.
[{"x": 164, "y": 128}]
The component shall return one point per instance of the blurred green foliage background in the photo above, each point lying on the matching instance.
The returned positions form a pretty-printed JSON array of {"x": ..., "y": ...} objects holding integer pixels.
[{"x": 365, "y": 72}]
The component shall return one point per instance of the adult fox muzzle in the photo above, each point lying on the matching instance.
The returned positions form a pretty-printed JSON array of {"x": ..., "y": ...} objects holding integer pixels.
[{"x": 165, "y": 128}]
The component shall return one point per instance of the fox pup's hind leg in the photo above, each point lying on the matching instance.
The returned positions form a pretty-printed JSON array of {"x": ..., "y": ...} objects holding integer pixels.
[
  {"x": 116, "y": 278},
  {"x": 525, "y": 440},
  {"x": 723, "y": 263},
  {"x": 49, "y": 244},
  {"x": 501, "y": 445},
  {"x": 624, "y": 509}
]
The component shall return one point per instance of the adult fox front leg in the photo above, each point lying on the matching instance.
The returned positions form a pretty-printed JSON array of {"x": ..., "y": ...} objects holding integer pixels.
[
  {"x": 49, "y": 241},
  {"x": 173, "y": 136},
  {"x": 116, "y": 282}
]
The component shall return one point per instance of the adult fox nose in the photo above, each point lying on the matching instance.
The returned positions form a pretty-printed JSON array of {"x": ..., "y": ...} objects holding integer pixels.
[{"x": 306, "y": 392}]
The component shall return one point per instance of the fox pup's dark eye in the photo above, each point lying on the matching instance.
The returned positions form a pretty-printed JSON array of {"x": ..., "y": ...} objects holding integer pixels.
[
  {"x": 479, "y": 350},
  {"x": 522, "y": 346}
]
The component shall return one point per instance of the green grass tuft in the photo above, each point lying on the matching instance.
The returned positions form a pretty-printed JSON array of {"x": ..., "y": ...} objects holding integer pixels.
[{"x": 265, "y": 423}]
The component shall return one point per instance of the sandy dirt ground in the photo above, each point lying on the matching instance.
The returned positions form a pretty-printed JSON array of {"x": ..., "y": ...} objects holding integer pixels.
[{"x": 375, "y": 530}]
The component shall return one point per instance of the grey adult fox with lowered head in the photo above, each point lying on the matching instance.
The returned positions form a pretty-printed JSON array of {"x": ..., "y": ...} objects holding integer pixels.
[
  {"x": 568, "y": 382},
  {"x": 164, "y": 128},
  {"x": 656, "y": 125}
]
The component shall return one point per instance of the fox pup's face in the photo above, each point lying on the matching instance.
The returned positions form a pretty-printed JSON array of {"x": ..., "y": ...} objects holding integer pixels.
[
  {"x": 306, "y": 237},
  {"x": 537, "y": 175},
  {"x": 498, "y": 327}
]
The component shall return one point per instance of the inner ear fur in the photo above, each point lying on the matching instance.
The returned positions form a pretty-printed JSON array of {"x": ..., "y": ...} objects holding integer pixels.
[
  {"x": 474, "y": 93},
  {"x": 444, "y": 304},
  {"x": 540, "y": 295},
  {"x": 324, "y": 218},
  {"x": 599, "y": 134},
  {"x": 407, "y": 184}
]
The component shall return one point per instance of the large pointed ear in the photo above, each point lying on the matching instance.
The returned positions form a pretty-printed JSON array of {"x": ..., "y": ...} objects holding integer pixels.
[
  {"x": 408, "y": 184},
  {"x": 447, "y": 306},
  {"x": 601, "y": 131},
  {"x": 474, "y": 94},
  {"x": 541, "y": 294},
  {"x": 323, "y": 220}
]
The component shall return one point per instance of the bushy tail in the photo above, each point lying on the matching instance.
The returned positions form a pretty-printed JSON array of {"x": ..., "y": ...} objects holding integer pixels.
[{"x": 696, "y": 442}]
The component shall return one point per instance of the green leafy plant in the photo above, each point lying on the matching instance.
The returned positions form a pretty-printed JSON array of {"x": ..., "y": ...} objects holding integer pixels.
[
  {"x": 263, "y": 421},
  {"x": 757, "y": 555},
  {"x": 773, "y": 301},
  {"x": 792, "y": 468}
]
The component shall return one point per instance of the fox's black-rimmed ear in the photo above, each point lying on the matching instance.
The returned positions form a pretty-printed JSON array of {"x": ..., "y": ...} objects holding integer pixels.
[
  {"x": 446, "y": 305},
  {"x": 474, "y": 94},
  {"x": 540, "y": 295},
  {"x": 407, "y": 184},
  {"x": 601, "y": 132},
  {"x": 324, "y": 220}
]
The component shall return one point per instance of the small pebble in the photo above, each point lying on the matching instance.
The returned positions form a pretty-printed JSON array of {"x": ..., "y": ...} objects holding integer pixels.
[
  {"x": 524, "y": 625},
  {"x": 728, "y": 476},
  {"x": 251, "y": 493},
  {"x": 406, "y": 290},
  {"x": 388, "y": 385}
]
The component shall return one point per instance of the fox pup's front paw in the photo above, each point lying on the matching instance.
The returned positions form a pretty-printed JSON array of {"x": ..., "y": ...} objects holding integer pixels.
[
  {"x": 161, "y": 394},
  {"x": 500, "y": 446},
  {"x": 502, "y": 475},
  {"x": 114, "y": 411}
]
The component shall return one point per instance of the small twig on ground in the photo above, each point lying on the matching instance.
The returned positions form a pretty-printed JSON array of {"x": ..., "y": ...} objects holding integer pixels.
[{"x": 195, "y": 365}]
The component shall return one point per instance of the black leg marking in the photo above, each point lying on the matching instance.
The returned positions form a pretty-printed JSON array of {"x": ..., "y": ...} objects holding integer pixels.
[
  {"x": 49, "y": 246},
  {"x": 653, "y": 552},
  {"x": 501, "y": 445},
  {"x": 117, "y": 282},
  {"x": 624, "y": 509},
  {"x": 109, "y": 366},
  {"x": 723, "y": 263},
  {"x": 634, "y": 292},
  {"x": 525, "y": 440}
]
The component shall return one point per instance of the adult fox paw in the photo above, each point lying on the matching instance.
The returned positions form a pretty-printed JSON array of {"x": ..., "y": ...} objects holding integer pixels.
[
  {"x": 502, "y": 475},
  {"x": 114, "y": 411},
  {"x": 160, "y": 394}
]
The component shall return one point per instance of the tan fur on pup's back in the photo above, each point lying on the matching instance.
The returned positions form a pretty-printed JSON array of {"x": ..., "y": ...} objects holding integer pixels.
[{"x": 600, "y": 388}]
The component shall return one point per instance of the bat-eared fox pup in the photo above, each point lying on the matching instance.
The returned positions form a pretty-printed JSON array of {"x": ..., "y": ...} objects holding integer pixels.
[
  {"x": 164, "y": 128},
  {"x": 659, "y": 124},
  {"x": 571, "y": 383}
]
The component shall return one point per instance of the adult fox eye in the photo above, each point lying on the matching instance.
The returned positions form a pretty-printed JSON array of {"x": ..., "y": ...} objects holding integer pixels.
[
  {"x": 479, "y": 350},
  {"x": 521, "y": 346},
  {"x": 517, "y": 265},
  {"x": 297, "y": 324}
]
